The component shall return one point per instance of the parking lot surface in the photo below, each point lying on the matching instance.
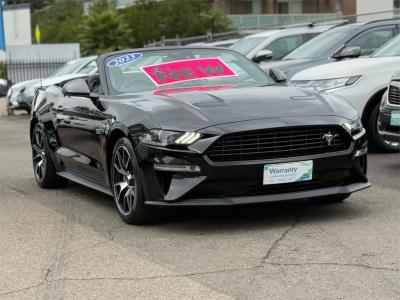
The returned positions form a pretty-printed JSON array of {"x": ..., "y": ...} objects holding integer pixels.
[{"x": 71, "y": 244}]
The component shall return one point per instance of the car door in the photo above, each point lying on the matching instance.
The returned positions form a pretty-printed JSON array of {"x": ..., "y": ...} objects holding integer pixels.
[
  {"x": 372, "y": 39},
  {"x": 81, "y": 128}
]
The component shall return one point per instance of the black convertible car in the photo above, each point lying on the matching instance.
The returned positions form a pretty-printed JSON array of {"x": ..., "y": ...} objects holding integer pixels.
[{"x": 194, "y": 126}]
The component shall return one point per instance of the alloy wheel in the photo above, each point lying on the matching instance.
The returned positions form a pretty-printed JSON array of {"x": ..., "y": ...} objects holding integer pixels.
[
  {"x": 124, "y": 181},
  {"x": 39, "y": 156}
]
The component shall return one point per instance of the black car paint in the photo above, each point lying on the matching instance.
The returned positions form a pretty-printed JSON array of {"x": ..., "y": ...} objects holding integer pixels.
[{"x": 80, "y": 131}]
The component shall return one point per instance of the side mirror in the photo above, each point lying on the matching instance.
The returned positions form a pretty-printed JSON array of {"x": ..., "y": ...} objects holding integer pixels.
[
  {"x": 263, "y": 55},
  {"x": 277, "y": 75},
  {"x": 349, "y": 52},
  {"x": 77, "y": 87}
]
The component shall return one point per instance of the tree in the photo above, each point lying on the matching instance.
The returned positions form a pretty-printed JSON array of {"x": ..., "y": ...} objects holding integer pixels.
[
  {"x": 104, "y": 31},
  {"x": 151, "y": 19},
  {"x": 59, "y": 22}
]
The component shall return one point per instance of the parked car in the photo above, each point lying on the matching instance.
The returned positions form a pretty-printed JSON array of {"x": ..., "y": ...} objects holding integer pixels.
[
  {"x": 200, "y": 126},
  {"x": 3, "y": 87},
  {"x": 222, "y": 43},
  {"x": 389, "y": 116},
  {"x": 361, "y": 81},
  {"x": 275, "y": 44},
  {"x": 20, "y": 95},
  {"x": 342, "y": 42}
]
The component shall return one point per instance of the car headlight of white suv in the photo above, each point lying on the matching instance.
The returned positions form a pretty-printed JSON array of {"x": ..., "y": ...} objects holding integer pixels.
[{"x": 327, "y": 84}]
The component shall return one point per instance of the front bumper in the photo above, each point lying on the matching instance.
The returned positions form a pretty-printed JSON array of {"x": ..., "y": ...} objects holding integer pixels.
[
  {"x": 233, "y": 183},
  {"x": 389, "y": 133},
  {"x": 18, "y": 100}
]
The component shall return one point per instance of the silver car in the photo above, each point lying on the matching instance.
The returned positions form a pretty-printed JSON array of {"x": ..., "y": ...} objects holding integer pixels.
[{"x": 20, "y": 95}]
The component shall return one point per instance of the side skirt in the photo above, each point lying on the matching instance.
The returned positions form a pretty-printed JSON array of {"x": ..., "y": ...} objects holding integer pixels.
[{"x": 85, "y": 181}]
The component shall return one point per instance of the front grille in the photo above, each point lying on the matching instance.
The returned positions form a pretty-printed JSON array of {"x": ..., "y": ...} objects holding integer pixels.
[
  {"x": 394, "y": 95},
  {"x": 278, "y": 143}
]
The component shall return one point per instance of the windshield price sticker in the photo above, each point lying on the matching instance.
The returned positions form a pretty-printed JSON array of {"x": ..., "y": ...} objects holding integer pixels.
[
  {"x": 288, "y": 172},
  {"x": 186, "y": 70}
]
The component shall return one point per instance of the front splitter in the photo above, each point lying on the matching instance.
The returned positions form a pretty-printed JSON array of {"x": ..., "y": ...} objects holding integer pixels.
[{"x": 241, "y": 200}]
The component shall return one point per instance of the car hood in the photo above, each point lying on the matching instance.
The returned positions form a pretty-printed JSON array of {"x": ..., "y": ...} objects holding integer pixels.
[
  {"x": 291, "y": 67},
  {"x": 33, "y": 84},
  {"x": 25, "y": 84},
  {"x": 360, "y": 66},
  {"x": 196, "y": 110}
]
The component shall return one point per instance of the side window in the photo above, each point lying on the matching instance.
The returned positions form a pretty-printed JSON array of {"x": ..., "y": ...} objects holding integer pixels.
[
  {"x": 309, "y": 36},
  {"x": 282, "y": 46},
  {"x": 372, "y": 39},
  {"x": 89, "y": 68}
]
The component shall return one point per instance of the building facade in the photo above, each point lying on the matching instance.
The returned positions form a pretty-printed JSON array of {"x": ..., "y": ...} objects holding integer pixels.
[{"x": 346, "y": 7}]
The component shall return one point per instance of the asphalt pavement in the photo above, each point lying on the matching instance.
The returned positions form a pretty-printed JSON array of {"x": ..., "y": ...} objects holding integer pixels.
[{"x": 71, "y": 244}]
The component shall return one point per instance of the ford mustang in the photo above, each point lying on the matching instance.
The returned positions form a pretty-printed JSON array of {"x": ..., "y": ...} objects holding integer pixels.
[{"x": 192, "y": 126}]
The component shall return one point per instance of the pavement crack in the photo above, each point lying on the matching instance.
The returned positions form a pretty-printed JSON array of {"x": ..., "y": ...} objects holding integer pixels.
[
  {"x": 364, "y": 266},
  {"x": 23, "y": 289},
  {"x": 276, "y": 243}
]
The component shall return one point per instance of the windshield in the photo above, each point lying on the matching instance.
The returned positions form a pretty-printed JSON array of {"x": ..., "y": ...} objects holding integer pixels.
[
  {"x": 321, "y": 45},
  {"x": 74, "y": 66},
  {"x": 246, "y": 45},
  {"x": 181, "y": 69},
  {"x": 391, "y": 48}
]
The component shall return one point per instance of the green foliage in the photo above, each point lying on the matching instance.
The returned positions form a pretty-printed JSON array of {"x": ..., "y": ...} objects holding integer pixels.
[
  {"x": 59, "y": 22},
  {"x": 152, "y": 19},
  {"x": 3, "y": 70},
  {"x": 104, "y": 31}
]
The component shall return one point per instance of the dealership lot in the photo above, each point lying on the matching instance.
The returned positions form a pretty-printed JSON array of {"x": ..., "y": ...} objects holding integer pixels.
[{"x": 70, "y": 242}]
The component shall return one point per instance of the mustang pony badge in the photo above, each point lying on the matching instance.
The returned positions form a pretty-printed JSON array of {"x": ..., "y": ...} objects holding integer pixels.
[
  {"x": 186, "y": 70},
  {"x": 329, "y": 138}
]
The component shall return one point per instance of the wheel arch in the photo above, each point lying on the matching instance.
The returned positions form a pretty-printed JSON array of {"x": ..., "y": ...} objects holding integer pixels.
[
  {"x": 33, "y": 123},
  {"x": 114, "y": 135},
  {"x": 372, "y": 101}
]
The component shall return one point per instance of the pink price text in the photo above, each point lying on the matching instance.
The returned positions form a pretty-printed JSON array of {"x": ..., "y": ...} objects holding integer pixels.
[{"x": 185, "y": 70}]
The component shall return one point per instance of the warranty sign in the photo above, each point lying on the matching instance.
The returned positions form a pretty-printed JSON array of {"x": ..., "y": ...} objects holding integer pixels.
[{"x": 186, "y": 70}]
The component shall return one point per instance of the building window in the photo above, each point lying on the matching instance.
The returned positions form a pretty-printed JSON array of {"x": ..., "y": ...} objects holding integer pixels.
[
  {"x": 397, "y": 4},
  {"x": 283, "y": 7}
]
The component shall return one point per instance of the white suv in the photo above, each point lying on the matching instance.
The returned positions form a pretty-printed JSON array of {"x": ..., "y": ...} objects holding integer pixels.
[{"x": 361, "y": 81}]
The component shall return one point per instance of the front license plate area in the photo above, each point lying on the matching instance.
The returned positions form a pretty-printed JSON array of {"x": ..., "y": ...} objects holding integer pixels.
[
  {"x": 288, "y": 172},
  {"x": 395, "y": 118}
]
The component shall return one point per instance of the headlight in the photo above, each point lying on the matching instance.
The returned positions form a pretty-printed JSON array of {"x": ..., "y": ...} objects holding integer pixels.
[
  {"x": 355, "y": 128},
  {"x": 158, "y": 137},
  {"x": 10, "y": 90},
  {"x": 384, "y": 100},
  {"x": 327, "y": 84}
]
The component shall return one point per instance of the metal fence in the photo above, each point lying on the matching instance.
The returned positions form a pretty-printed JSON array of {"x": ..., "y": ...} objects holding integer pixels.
[
  {"x": 20, "y": 70},
  {"x": 178, "y": 41}
]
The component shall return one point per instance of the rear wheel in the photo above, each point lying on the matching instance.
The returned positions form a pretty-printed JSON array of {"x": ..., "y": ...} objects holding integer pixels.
[
  {"x": 330, "y": 199},
  {"x": 43, "y": 167},
  {"x": 375, "y": 140},
  {"x": 126, "y": 184}
]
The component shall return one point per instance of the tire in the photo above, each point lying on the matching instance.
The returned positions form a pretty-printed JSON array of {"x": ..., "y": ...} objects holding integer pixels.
[
  {"x": 375, "y": 141},
  {"x": 126, "y": 185},
  {"x": 43, "y": 167},
  {"x": 330, "y": 199}
]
